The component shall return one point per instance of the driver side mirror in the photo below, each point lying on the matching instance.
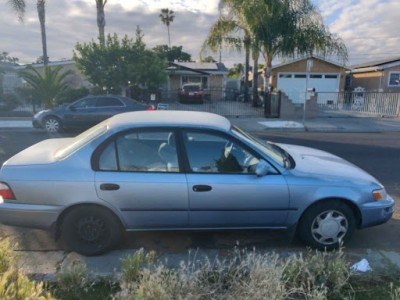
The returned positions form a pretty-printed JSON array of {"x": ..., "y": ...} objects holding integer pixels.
[
  {"x": 263, "y": 168},
  {"x": 73, "y": 108}
]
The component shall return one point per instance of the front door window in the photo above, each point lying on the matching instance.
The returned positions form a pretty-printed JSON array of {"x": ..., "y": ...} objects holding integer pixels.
[{"x": 211, "y": 153}]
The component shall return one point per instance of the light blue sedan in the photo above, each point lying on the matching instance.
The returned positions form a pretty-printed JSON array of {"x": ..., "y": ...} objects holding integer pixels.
[{"x": 167, "y": 170}]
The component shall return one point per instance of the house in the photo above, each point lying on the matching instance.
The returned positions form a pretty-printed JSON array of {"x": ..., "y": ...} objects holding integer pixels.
[
  {"x": 313, "y": 72},
  {"x": 75, "y": 80},
  {"x": 211, "y": 77},
  {"x": 377, "y": 76}
]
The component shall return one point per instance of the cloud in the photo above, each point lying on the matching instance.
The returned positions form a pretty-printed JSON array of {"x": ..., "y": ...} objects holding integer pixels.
[
  {"x": 368, "y": 27},
  {"x": 69, "y": 22}
]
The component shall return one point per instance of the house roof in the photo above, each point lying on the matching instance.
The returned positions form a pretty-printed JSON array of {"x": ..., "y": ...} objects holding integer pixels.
[
  {"x": 202, "y": 68},
  {"x": 308, "y": 57},
  {"x": 50, "y": 64},
  {"x": 377, "y": 63}
]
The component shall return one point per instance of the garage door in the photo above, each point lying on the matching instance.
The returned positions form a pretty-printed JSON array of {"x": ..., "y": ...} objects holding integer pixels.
[{"x": 294, "y": 85}]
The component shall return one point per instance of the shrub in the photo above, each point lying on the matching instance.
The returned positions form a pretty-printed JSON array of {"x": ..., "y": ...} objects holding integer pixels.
[
  {"x": 131, "y": 264},
  {"x": 246, "y": 276},
  {"x": 73, "y": 94},
  {"x": 14, "y": 285},
  {"x": 8, "y": 102}
]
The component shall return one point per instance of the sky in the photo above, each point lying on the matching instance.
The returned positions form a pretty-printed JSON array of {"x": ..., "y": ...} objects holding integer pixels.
[{"x": 369, "y": 28}]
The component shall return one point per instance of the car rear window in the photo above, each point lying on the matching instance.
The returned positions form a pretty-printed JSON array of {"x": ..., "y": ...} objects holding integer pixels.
[
  {"x": 81, "y": 140},
  {"x": 191, "y": 88}
]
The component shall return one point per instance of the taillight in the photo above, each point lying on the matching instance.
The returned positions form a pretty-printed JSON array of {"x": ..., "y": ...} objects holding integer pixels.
[
  {"x": 6, "y": 192},
  {"x": 151, "y": 107}
]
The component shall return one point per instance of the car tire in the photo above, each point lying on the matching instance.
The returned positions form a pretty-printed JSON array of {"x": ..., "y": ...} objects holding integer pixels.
[
  {"x": 90, "y": 230},
  {"x": 52, "y": 124},
  {"x": 327, "y": 225}
]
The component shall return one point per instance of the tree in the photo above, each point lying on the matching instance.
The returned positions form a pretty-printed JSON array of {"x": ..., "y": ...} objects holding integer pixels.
[
  {"x": 172, "y": 54},
  {"x": 19, "y": 7},
  {"x": 120, "y": 63},
  {"x": 167, "y": 17},
  {"x": 48, "y": 86},
  {"x": 208, "y": 59},
  {"x": 101, "y": 19},
  {"x": 232, "y": 31},
  {"x": 235, "y": 71},
  {"x": 289, "y": 28}
]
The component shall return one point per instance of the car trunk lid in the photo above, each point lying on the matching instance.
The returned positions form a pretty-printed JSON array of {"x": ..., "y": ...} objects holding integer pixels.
[{"x": 38, "y": 154}]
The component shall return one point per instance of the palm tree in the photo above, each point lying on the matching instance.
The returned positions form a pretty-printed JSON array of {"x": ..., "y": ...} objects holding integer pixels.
[
  {"x": 49, "y": 85},
  {"x": 231, "y": 30},
  {"x": 101, "y": 19},
  {"x": 19, "y": 7},
  {"x": 289, "y": 28},
  {"x": 167, "y": 17}
]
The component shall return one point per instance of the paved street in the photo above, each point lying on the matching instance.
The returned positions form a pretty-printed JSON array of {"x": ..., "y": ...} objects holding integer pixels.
[{"x": 377, "y": 153}]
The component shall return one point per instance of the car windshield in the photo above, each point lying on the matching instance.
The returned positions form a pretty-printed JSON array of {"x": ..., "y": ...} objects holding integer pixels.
[
  {"x": 81, "y": 140},
  {"x": 269, "y": 149}
]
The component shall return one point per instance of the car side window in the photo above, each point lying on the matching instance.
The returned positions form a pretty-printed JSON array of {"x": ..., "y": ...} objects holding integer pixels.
[
  {"x": 108, "y": 102},
  {"x": 147, "y": 151},
  {"x": 85, "y": 103},
  {"x": 212, "y": 153}
]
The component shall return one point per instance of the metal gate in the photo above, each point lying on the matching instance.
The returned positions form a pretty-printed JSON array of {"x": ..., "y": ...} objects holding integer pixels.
[
  {"x": 353, "y": 103},
  {"x": 225, "y": 102}
]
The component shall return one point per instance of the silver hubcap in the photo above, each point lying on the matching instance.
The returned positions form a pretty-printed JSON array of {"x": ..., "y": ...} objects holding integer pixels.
[
  {"x": 52, "y": 125},
  {"x": 329, "y": 227}
]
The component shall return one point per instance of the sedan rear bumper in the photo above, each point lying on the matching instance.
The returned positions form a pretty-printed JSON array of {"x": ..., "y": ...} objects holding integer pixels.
[
  {"x": 375, "y": 213},
  {"x": 26, "y": 215}
]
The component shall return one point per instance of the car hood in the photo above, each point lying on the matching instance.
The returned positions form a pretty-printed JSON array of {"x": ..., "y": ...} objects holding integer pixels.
[
  {"x": 38, "y": 154},
  {"x": 319, "y": 163}
]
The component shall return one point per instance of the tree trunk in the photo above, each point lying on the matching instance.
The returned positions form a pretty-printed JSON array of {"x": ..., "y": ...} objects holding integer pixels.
[
  {"x": 255, "y": 81},
  {"x": 42, "y": 19},
  {"x": 101, "y": 21},
  {"x": 169, "y": 38},
  {"x": 246, "y": 73},
  {"x": 267, "y": 70}
]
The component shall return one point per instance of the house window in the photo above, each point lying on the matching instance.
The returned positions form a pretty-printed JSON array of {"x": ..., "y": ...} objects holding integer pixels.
[
  {"x": 330, "y": 76},
  {"x": 285, "y": 75},
  {"x": 203, "y": 80},
  {"x": 300, "y": 76},
  {"x": 394, "y": 79},
  {"x": 315, "y": 76}
]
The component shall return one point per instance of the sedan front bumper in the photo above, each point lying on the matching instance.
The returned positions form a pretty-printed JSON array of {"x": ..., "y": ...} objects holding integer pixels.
[
  {"x": 375, "y": 213},
  {"x": 27, "y": 215},
  {"x": 36, "y": 124}
]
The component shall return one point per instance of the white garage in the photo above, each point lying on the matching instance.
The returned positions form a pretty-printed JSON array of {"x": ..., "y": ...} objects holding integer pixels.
[
  {"x": 294, "y": 85},
  {"x": 326, "y": 77}
]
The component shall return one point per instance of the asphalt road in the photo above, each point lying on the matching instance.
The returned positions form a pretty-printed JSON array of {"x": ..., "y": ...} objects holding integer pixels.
[{"x": 377, "y": 153}]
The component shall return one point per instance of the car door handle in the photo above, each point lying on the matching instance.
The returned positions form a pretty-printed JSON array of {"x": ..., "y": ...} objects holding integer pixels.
[
  {"x": 109, "y": 186},
  {"x": 201, "y": 188}
]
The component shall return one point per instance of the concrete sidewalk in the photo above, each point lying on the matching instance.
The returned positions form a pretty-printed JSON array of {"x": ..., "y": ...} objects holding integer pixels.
[
  {"x": 322, "y": 124},
  {"x": 43, "y": 266}
]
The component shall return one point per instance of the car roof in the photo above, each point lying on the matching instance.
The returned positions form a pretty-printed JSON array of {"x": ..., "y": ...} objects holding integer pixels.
[{"x": 170, "y": 118}]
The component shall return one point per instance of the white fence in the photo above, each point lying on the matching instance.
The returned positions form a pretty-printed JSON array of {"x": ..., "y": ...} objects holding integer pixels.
[{"x": 387, "y": 104}]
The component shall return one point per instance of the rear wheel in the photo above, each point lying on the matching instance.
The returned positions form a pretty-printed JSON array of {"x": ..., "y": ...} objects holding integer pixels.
[
  {"x": 90, "y": 230},
  {"x": 327, "y": 224},
  {"x": 52, "y": 124}
]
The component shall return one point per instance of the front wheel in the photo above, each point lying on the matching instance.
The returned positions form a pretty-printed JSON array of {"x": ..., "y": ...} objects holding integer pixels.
[
  {"x": 90, "y": 230},
  {"x": 327, "y": 224},
  {"x": 52, "y": 124}
]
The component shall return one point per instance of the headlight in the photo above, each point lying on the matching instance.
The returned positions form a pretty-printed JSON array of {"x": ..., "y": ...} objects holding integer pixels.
[{"x": 379, "y": 194}]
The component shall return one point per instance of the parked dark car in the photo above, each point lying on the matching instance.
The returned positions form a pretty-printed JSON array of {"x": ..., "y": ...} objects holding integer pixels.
[
  {"x": 191, "y": 93},
  {"x": 85, "y": 112}
]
